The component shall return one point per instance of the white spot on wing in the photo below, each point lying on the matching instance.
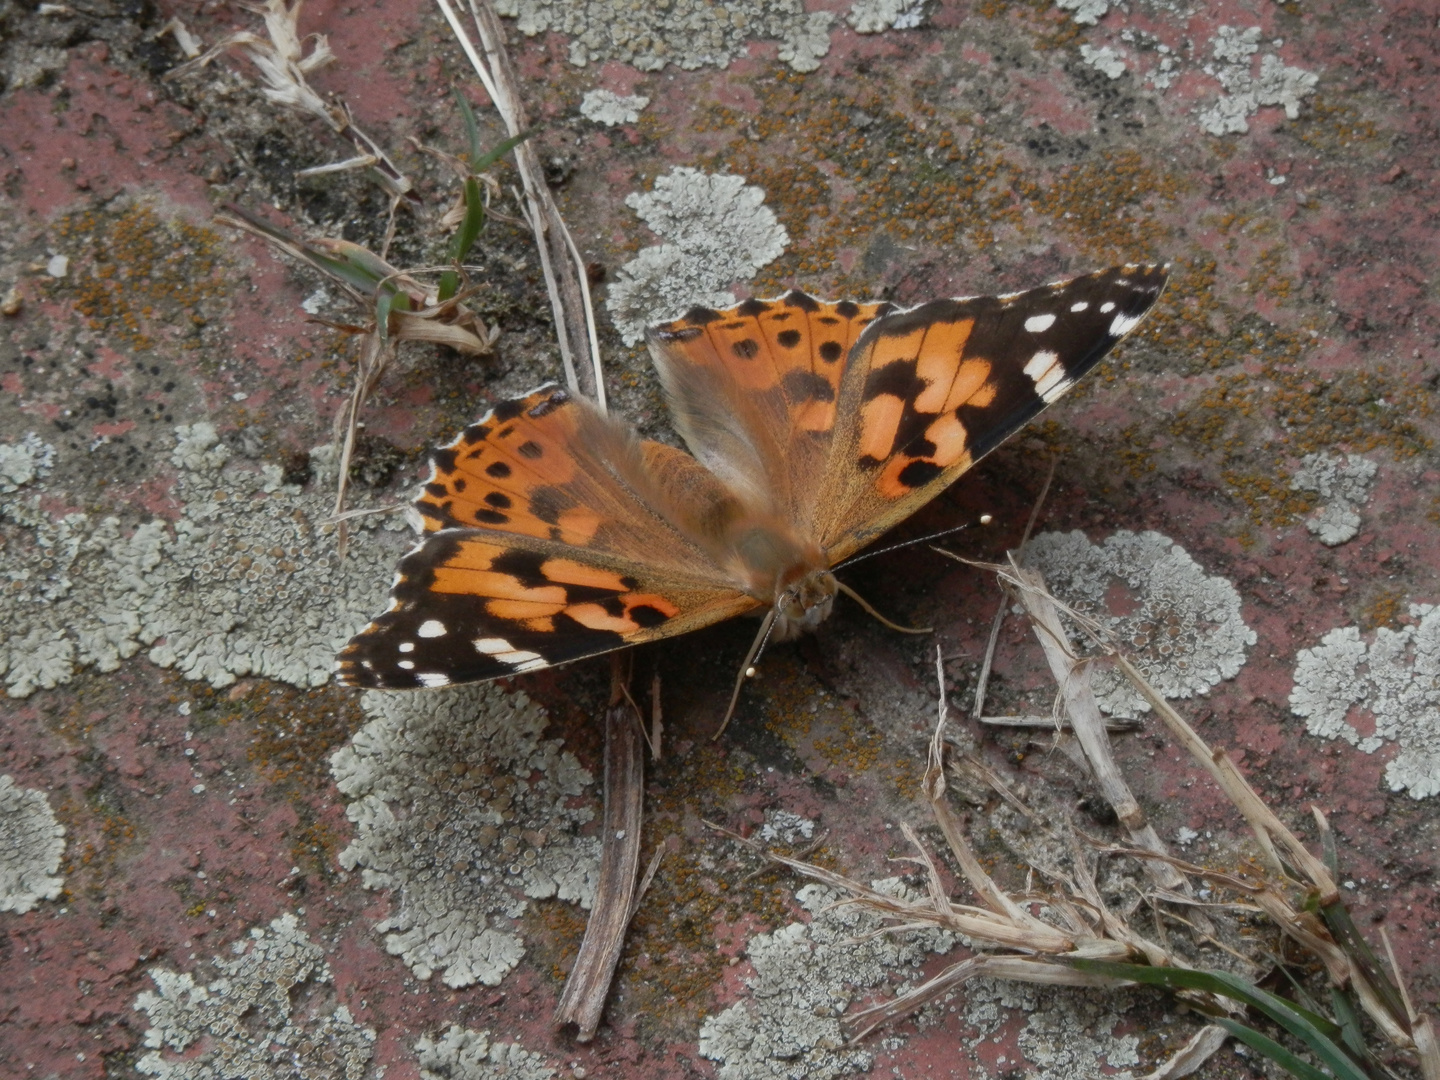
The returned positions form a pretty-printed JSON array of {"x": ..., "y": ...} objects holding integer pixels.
[
  {"x": 1080, "y": 305},
  {"x": 1039, "y": 364},
  {"x": 431, "y": 628},
  {"x": 433, "y": 678},
  {"x": 1050, "y": 381},
  {"x": 407, "y": 646},
  {"x": 502, "y": 650},
  {"x": 407, "y": 665},
  {"x": 1038, "y": 323},
  {"x": 1107, "y": 307},
  {"x": 1123, "y": 324}
]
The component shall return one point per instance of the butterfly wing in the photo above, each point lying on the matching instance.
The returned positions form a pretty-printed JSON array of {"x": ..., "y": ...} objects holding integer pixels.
[
  {"x": 929, "y": 391},
  {"x": 547, "y": 537},
  {"x": 753, "y": 390}
]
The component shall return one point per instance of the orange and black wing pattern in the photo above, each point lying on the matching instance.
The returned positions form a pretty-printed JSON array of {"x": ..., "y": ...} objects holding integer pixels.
[
  {"x": 929, "y": 391},
  {"x": 533, "y": 553}
]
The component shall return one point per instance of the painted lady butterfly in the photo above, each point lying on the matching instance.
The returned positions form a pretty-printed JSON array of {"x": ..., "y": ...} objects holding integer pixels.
[{"x": 552, "y": 532}]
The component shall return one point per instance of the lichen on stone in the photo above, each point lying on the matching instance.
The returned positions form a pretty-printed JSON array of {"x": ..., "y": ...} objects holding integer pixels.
[
  {"x": 1104, "y": 60},
  {"x": 243, "y": 583},
  {"x": 1085, "y": 12},
  {"x": 462, "y": 811},
  {"x": 462, "y": 1054},
  {"x": 31, "y": 845},
  {"x": 786, "y": 827},
  {"x": 1395, "y": 678},
  {"x": 609, "y": 108},
  {"x": 1343, "y": 482},
  {"x": 268, "y": 1014},
  {"x": 24, "y": 461},
  {"x": 874, "y": 16},
  {"x": 1185, "y": 633},
  {"x": 806, "y": 974},
  {"x": 717, "y": 230},
  {"x": 1245, "y": 90},
  {"x": 687, "y": 33},
  {"x": 1068, "y": 1034}
]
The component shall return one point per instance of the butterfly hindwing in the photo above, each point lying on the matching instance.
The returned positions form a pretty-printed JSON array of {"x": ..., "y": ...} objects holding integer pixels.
[
  {"x": 929, "y": 391},
  {"x": 472, "y": 604},
  {"x": 753, "y": 388},
  {"x": 544, "y": 539}
]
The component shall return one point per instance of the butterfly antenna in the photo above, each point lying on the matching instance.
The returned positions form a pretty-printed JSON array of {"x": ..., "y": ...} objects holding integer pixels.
[
  {"x": 984, "y": 519},
  {"x": 876, "y": 615},
  {"x": 747, "y": 668}
]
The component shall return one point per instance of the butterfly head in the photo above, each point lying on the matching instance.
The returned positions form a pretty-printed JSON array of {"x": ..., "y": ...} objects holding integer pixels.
[{"x": 804, "y": 604}]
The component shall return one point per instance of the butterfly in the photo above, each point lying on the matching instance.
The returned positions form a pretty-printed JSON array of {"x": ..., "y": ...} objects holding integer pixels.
[{"x": 551, "y": 532}]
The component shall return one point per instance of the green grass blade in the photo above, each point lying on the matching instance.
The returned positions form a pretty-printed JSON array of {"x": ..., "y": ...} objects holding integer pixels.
[
  {"x": 1271, "y": 1049},
  {"x": 479, "y": 165},
  {"x": 474, "y": 220},
  {"x": 383, "y": 305},
  {"x": 472, "y": 127},
  {"x": 449, "y": 285},
  {"x": 1314, "y": 1031},
  {"x": 1349, "y": 1022},
  {"x": 1347, "y": 935}
]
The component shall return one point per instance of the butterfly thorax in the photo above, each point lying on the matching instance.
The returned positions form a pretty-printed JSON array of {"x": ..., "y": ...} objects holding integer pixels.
[{"x": 787, "y": 572}]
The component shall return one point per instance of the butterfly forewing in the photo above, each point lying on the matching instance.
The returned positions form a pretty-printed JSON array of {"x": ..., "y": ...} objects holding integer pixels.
[
  {"x": 537, "y": 550},
  {"x": 929, "y": 391}
]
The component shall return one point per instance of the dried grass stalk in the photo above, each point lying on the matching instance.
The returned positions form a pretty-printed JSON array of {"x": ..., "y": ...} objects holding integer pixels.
[
  {"x": 560, "y": 260},
  {"x": 583, "y": 1000}
]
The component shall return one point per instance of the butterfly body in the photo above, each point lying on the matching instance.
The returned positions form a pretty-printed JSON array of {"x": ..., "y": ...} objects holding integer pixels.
[{"x": 551, "y": 531}]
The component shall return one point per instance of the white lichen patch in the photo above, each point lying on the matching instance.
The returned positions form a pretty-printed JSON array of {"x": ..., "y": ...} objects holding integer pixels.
[
  {"x": 806, "y": 974},
  {"x": 1245, "y": 90},
  {"x": 1183, "y": 630},
  {"x": 786, "y": 827},
  {"x": 687, "y": 33},
  {"x": 1068, "y": 1034},
  {"x": 461, "y": 1054},
  {"x": 874, "y": 16},
  {"x": 24, "y": 461},
  {"x": 1344, "y": 483},
  {"x": 31, "y": 845},
  {"x": 609, "y": 108},
  {"x": 244, "y": 583},
  {"x": 268, "y": 1014},
  {"x": 1396, "y": 679},
  {"x": 1085, "y": 12},
  {"x": 1104, "y": 60},
  {"x": 717, "y": 230},
  {"x": 463, "y": 811}
]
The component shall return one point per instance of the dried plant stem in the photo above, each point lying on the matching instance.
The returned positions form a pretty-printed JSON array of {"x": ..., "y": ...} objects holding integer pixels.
[
  {"x": 583, "y": 1000},
  {"x": 560, "y": 259},
  {"x": 1201, "y": 1048},
  {"x": 1112, "y": 723},
  {"x": 1073, "y": 677},
  {"x": 983, "y": 682}
]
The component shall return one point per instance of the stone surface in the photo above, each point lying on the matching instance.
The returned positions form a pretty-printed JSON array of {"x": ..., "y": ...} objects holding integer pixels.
[{"x": 165, "y": 668}]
